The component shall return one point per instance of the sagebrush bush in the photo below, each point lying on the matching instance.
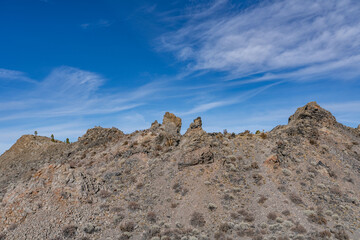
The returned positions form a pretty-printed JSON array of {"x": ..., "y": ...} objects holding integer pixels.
[
  {"x": 272, "y": 216},
  {"x": 151, "y": 217},
  {"x": 295, "y": 199},
  {"x": 128, "y": 227},
  {"x": 298, "y": 228},
  {"x": 133, "y": 206},
  {"x": 197, "y": 220},
  {"x": 69, "y": 231}
]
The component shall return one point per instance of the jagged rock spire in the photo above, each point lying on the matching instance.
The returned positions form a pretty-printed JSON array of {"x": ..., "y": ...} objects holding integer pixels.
[
  {"x": 197, "y": 123},
  {"x": 170, "y": 121}
]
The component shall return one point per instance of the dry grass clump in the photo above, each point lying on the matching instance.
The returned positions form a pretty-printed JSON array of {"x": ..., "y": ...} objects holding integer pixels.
[{"x": 197, "y": 220}]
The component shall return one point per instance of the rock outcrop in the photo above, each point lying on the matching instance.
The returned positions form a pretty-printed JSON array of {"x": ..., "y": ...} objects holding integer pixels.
[{"x": 298, "y": 181}]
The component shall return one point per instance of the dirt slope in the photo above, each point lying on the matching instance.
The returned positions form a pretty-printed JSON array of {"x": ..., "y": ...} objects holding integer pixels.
[{"x": 298, "y": 181}]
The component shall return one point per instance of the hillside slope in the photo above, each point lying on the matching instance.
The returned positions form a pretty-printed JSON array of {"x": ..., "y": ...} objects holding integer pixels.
[{"x": 298, "y": 181}]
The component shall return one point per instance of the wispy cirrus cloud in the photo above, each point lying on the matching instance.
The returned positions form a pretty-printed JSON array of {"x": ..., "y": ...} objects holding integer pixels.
[
  {"x": 6, "y": 75},
  {"x": 69, "y": 91},
  {"x": 240, "y": 97},
  {"x": 98, "y": 24},
  {"x": 300, "y": 39}
]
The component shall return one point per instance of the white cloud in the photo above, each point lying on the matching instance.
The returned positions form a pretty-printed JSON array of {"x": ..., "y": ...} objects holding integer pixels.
[{"x": 304, "y": 38}]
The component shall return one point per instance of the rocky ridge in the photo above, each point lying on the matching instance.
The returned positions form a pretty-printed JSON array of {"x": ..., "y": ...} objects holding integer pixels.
[{"x": 298, "y": 181}]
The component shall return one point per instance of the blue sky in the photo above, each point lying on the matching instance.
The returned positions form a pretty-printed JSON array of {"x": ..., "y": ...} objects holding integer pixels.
[{"x": 66, "y": 66}]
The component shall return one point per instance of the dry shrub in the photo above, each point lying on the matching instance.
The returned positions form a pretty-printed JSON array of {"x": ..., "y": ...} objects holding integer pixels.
[
  {"x": 286, "y": 212},
  {"x": 151, "y": 217},
  {"x": 197, "y": 220},
  {"x": 104, "y": 207},
  {"x": 313, "y": 142},
  {"x": 224, "y": 227},
  {"x": 2, "y": 236},
  {"x": 263, "y": 135},
  {"x": 298, "y": 229},
  {"x": 128, "y": 227},
  {"x": 317, "y": 218},
  {"x": 283, "y": 238},
  {"x": 257, "y": 178},
  {"x": 295, "y": 199},
  {"x": 13, "y": 226},
  {"x": 69, "y": 231},
  {"x": 272, "y": 216},
  {"x": 234, "y": 215},
  {"x": 336, "y": 190},
  {"x": 325, "y": 234},
  {"x": 249, "y": 218},
  {"x": 219, "y": 236},
  {"x": 133, "y": 206},
  {"x": 262, "y": 200},
  {"x": 340, "y": 234},
  {"x": 118, "y": 219},
  {"x": 116, "y": 209},
  {"x": 255, "y": 165},
  {"x": 104, "y": 194},
  {"x": 139, "y": 185}
]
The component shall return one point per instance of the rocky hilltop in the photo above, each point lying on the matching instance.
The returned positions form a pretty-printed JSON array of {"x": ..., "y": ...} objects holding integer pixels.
[{"x": 298, "y": 181}]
